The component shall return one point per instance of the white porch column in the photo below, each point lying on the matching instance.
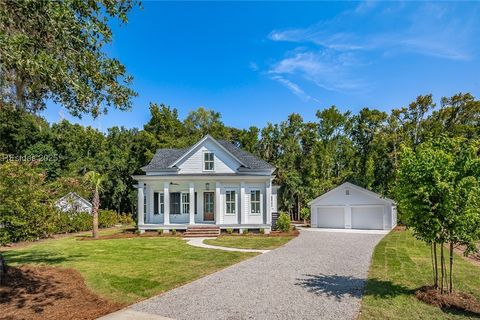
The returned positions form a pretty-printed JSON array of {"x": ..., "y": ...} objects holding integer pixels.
[
  {"x": 218, "y": 215},
  {"x": 166, "y": 201},
  {"x": 191, "y": 190},
  {"x": 243, "y": 204},
  {"x": 149, "y": 212},
  {"x": 140, "y": 204},
  {"x": 268, "y": 202}
]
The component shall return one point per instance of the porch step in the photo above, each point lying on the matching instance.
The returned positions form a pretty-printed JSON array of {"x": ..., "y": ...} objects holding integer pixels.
[{"x": 202, "y": 231}]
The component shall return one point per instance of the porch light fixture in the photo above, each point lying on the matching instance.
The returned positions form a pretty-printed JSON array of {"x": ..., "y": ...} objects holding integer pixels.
[{"x": 207, "y": 186}]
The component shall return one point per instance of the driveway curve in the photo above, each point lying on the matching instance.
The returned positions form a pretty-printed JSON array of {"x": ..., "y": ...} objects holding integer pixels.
[{"x": 318, "y": 275}]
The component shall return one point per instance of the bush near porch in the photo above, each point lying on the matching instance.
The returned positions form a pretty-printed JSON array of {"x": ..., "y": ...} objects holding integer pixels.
[{"x": 400, "y": 265}]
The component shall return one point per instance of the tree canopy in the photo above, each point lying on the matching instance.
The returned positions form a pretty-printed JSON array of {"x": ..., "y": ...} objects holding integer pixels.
[{"x": 53, "y": 50}]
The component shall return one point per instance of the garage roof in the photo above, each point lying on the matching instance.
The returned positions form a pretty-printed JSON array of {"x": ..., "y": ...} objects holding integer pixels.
[{"x": 353, "y": 186}]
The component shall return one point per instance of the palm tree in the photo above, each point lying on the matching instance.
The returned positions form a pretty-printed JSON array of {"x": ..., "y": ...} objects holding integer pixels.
[{"x": 95, "y": 180}]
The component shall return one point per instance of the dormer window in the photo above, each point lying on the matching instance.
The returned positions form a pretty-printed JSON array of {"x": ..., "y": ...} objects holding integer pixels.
[{"x": 208, "y": 161}]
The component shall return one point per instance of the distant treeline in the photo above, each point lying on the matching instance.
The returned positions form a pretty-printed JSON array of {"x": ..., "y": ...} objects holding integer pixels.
[{"x": 311, "y": 157}]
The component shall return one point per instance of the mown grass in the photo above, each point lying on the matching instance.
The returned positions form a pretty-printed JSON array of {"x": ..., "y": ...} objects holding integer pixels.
[
  {"x": 250, "y": 242},
  {"x": 130, "y": 269},
  {"x": 400, "y": 265}
]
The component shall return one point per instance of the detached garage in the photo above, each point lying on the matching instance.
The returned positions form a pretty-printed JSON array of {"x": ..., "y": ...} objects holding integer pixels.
[{"x": 352, "y": 207}]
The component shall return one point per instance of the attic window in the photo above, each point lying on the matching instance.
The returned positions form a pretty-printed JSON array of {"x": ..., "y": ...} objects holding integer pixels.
[
  {"x": 208, "y": 161},
  {"x": 347, "y": 192}
]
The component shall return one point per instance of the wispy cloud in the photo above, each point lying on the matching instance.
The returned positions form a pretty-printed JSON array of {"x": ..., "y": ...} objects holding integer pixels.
[
  {"x": 293, "y": 87},
  {"x": 325, "y": 68},
  {"x": 331, "y": 53},
  {"x": 431, "y": 30}
]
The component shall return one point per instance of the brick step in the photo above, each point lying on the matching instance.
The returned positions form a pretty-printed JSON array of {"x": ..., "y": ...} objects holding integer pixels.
[
  {"x": 199, "y": 235},
  {"x": 203, "y": 230},
  {"x": 202, "y": 227},
  {"x": 213, "y": 233}
]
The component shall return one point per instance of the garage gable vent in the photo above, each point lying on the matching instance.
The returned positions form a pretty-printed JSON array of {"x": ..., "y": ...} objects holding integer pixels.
[{"x": 347, "y": 192}]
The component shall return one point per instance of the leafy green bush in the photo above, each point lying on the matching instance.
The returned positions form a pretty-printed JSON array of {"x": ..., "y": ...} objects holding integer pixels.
[
  {"x": 174, "y": 231},
  {"x": 261, "y": 231},
  {"x": 283, "y": 222},
  {"x": 229, "y": 230},
  {"x": 305, "y": 213}
]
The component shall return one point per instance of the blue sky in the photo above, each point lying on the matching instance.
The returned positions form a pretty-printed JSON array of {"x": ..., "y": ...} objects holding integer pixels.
[{"x": 258, "y": 62}]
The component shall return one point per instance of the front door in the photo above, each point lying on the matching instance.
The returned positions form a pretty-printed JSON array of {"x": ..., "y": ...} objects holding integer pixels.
[{"x": 209, "y": 206}]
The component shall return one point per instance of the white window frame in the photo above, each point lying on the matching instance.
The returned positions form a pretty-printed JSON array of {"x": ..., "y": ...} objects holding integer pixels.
[
  {"x": 204, "y": 162},
  {"x": 161, "y": 203},
  {"x": 184, "y": 205},
  {"x": 259, "y": 201},
  {"x": 230, "y": 202}
]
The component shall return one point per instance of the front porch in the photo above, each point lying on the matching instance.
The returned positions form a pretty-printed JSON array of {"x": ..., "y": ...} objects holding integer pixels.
[{"x": 179, "y": 202}]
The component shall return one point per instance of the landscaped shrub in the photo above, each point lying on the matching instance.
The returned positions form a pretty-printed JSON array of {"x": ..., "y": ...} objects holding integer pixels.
[
  {"x": 305, "y": 214},
  {"x": 174, "y": 231},
  {"x": 283, "y": 222},
  {"x": 229, "y": 230},
  {"x": 261, "y": 231},
  {"x": 26, "y": 211}
]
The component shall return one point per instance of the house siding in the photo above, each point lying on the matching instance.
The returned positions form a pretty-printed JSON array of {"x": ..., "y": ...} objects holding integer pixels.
[{"x": 223, "y": 162}]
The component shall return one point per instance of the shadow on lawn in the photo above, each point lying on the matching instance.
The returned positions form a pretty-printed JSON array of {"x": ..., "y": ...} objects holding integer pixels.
[
  {"x": 33, "y": 256},
  {"x": 339, "y": 287}
]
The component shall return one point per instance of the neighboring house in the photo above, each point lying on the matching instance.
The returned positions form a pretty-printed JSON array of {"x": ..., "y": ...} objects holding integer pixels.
[
  {"x": 211, "y": 182},
  {"x": 352, "y": 207},
  {"x": 72, "y": 202}
]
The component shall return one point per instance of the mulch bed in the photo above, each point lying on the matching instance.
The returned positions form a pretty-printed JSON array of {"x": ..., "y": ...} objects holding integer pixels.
[
  {"x": 41, "y": 292},
  {"x": 130, "y": 234},
  {"x": 455, "y": 301}
]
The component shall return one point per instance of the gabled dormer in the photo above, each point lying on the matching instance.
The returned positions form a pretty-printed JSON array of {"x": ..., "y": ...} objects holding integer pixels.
[{"x": 207, "y": 157}]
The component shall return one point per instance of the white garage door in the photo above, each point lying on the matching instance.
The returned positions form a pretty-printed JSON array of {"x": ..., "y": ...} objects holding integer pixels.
[
  {"x": 331, "y": 217},
  {"x": 367, "y": 217}
]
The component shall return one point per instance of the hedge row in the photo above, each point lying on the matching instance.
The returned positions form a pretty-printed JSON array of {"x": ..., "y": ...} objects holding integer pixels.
[{"x": 27, "y": 211}]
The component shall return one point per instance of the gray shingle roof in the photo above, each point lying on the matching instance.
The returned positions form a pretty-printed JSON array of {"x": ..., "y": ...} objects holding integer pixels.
[
  {"x": 164, "y": 158},
  {"x": 249, "y": 160}
]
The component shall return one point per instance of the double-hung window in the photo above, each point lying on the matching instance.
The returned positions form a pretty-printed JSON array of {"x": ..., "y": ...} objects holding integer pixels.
[
  {"x": 230, "y": 201},
  {"x": 208, "y": 161},
  {"x": 185, "y": 202},
  {"x": 255, "y": 201},
  {"x": 158, "y": 203}
]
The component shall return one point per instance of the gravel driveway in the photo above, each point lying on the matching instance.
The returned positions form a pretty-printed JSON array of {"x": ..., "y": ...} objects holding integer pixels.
[{"x": 318, "y": 275}]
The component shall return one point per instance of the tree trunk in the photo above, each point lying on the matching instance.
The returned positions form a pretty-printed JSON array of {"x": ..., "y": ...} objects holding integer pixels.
[
  {"x": 96, "y": 204},
  {"x": 435, "y": 264},
  {"x": 442, "y": 261},
  {"x": 450, "y": 289},
  {"x": 432, "y": 261}
]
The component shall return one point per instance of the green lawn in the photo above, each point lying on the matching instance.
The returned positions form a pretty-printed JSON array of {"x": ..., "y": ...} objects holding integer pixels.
[
  {"x": 250, "y": 242},
  {"x": 402, "y": 264},
  {"x": 128, "y": 270}
]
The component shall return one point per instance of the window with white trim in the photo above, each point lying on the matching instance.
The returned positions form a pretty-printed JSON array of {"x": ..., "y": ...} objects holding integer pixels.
[
  {"x": 208, "y": 161},
  {"x": 161, "y": 201},
  {"x": 255, "y": 201},
  {"x": 185, "y": 202},
  {"x": 230, "y": 201}
]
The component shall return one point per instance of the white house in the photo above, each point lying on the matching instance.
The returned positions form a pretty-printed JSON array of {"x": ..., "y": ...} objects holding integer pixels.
[
  {"x": 210, "y": 183},
  {"x": 351, "y": 207},
  {"x": 72, "y": 202}
]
